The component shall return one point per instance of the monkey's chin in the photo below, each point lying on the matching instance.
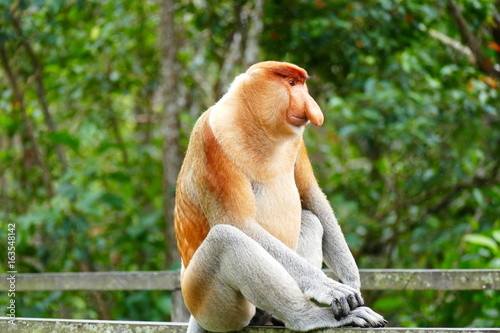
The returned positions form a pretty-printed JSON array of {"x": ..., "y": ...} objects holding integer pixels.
[{"x": 295, "y": 129}]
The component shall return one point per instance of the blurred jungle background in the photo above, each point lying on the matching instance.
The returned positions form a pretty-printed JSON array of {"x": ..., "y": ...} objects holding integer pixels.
[{"x": 97, "y": 100}]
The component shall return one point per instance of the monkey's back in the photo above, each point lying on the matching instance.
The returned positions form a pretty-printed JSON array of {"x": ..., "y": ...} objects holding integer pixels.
[{"x": 190, "y": 224}]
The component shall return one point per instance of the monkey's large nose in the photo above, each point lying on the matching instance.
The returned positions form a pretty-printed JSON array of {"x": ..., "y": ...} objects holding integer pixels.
[{"x": 313, "y": 112}]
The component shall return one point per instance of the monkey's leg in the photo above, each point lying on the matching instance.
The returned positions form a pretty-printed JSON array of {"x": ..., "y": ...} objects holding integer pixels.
[
  {"x": 194, "y": 327},
  {"x": 230, "y": 274},
  {"x": 311, "y": 239},
  {"x": 311, "y": 280},
  {"x": 309, "y": 246}
]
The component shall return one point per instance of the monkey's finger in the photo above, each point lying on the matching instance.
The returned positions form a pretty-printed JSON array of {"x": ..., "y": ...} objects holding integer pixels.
[
  {"x": 343, "y": 307},
  {"x": 353, "y": 302},
  {"x": 360, "y": 299},
  {"x": 336, "y": 309}
]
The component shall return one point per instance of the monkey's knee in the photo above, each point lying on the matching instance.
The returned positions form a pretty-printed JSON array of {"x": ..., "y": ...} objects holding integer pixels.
[
  {"x": 224, "y": 237},
  {"x": 311, "y": 221},
  {"x": 209, "y": 281},
  {"x": 226, "y": 232},
  {"x": 311, "y": 226},
  {"x": 226, "y": 318}
]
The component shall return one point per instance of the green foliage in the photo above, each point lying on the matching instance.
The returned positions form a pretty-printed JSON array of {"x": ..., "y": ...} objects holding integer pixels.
[{"x": 409, "y": 154}]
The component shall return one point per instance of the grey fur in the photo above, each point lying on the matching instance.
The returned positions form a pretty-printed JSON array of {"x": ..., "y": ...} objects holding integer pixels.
[
  {"x": 271, "y": 277},
  {"x": 311, "y": 239}
]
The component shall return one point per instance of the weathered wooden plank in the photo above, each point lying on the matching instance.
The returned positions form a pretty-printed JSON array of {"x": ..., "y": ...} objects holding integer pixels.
[
  {"x": 159, "y": 280},
  {"x": 430, "y": 279},
  {"x": 371, "y": 279},
  {"x": 35, "y": 325}
]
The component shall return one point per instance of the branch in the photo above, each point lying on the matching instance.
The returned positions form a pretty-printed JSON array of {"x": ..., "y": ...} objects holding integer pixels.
[
  {"x": 114, "y": 122},
  {"x": 482, "y": 61},
  {"x": 454, "y": 191},
  {"x": 490, "y": 177},
  {"x": 40, "y": 88},
  {"x": 102, "y": 307},
  {"x": 19, "y": 100},
  {"x": 454, "y": 44}
]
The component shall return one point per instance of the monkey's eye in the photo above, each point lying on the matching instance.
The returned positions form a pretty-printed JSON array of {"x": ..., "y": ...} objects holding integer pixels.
[{"x": 292, "y": 82}]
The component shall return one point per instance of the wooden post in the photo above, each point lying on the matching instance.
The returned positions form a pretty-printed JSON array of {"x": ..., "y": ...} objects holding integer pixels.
[{"x": 180, "y": 313}]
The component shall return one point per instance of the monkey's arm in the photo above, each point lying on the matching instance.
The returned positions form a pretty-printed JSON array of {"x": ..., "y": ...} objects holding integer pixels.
[
  {"x": 336, "y": 253},
  {"x": 311, "y": 280}
]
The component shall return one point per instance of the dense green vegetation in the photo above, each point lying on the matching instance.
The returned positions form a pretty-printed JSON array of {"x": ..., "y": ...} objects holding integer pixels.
[{"x": 409, "y": 154}]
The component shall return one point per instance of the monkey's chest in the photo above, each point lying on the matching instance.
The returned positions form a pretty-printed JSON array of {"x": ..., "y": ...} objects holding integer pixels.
[{"x": 278, "y": 208}]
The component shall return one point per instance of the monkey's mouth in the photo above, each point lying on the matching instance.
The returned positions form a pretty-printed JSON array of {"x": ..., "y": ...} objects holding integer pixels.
[{"x": 298, "y": 120}]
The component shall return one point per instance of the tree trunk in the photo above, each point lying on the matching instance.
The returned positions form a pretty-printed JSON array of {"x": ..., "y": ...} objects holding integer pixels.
[
  {"x": 30, "y": 131},
  {"x": 255, "y": 31},
  {"x": 167, "y": 98},
  {"x": 244, "y": 47},
  {"x": 40, "y": 87}
]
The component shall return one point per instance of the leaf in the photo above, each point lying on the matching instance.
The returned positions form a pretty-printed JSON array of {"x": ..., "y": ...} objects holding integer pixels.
[
  {"x": 389, "y": 303},
  {"x": 164, "y": 303},
  {"x": 479, "y": 197},
  {"x": 492, "y": 82},
  {"x": 494, "y": 46},
  {"x": 320, "y": 4},
  {"x": 370, "y": 85},
  {"x": 65, "y": 138},
  {"x": 113, "y": 200},
  {"x": 347, "y": 130},
  {"x": 68, "y": 191},
  {"x": 496, "y": 235},
  {"x": 483, "y": 241},
  {"x": 121, "y": 177},
  {"x": 95, "y": 32}
]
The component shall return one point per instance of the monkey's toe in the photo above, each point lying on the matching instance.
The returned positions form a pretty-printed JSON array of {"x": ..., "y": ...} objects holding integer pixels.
[{"x": 370, "y": 316}]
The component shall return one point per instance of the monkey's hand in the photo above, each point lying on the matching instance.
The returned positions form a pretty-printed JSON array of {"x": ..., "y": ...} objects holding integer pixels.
[{"x": 342, "y": 298}]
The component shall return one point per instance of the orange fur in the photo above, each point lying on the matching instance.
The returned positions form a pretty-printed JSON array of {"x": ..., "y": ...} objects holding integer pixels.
[
  {"x": 193, "y": 229},
  {"x": 218, "y": 183},
  {"x": 224, "y": 181},
  {"x": 285, "y": 71},
  {"x": 304, "y": 174},
  {"x": 246, "y": 143}
]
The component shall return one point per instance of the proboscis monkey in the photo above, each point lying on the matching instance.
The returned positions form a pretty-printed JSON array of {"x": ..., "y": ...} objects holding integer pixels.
[{"x": 253, "y": 226}]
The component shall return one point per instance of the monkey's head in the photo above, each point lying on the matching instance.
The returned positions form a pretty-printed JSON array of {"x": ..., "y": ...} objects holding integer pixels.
[{"x": 276, "y": 93}]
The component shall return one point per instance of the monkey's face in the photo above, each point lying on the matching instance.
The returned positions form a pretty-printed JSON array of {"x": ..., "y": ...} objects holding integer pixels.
[
  {"x": 302, "y": 107},
  {"x": 280, "y": 96}
]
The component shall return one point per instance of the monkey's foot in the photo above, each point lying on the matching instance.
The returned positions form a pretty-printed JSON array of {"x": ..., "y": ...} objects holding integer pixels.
[
  {"x": 363, "y": 316},
  {"x": 342, "y": 298}
]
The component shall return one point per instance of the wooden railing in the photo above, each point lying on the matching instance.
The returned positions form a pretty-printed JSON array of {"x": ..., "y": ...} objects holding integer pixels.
[{"x": 371, "y": 279}]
